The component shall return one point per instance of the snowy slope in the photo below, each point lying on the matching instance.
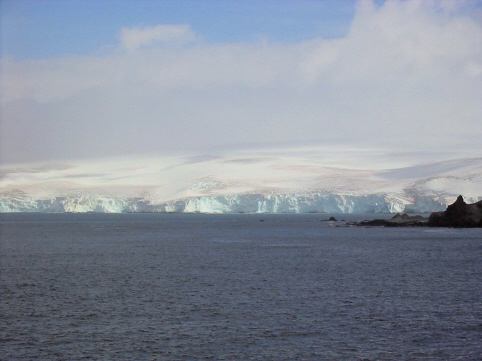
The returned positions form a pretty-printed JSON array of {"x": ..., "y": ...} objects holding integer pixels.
[{"x": 331, "y": 180}]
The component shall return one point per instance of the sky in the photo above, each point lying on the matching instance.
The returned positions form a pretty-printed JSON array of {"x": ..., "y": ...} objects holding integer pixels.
[{"x": 89, "y": 79}]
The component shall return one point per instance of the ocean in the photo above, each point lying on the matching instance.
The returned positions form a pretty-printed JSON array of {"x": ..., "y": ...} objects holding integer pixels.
[{"x": 236, "y": 287}]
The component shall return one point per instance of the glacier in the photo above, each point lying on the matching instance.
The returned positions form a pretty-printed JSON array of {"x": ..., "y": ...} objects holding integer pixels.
[
  {"x": 239, "y": 203},
  {"x": 307, "y": 181}
]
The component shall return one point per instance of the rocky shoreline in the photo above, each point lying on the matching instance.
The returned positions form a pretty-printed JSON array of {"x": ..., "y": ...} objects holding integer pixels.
[
  {"x": 457, "y": 215},
  {"x": 399, "y": 220}
]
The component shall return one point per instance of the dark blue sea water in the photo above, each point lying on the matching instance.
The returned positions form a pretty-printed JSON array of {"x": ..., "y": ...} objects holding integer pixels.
[{"x": 233, "y": 287}]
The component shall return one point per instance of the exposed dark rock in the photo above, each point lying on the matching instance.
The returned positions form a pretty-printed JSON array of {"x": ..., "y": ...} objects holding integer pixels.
[
  {"x": 400, "y": 217},
  {"x": 458, "y": 215},
  {"x": 331, "y": 219},
  {"x": 399, "y": 220}
]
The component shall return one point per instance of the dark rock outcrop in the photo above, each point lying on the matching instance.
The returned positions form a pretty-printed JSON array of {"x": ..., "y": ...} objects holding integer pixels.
[
  {"x": 458, "y": 215},
  {"x": 331, "y": 219},
  {"x": 399, "y": 220}
]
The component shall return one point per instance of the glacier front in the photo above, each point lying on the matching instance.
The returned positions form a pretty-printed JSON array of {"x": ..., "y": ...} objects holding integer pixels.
[
  {"x": 289, "y": 182},
  {"x": 239, "y": 203}
]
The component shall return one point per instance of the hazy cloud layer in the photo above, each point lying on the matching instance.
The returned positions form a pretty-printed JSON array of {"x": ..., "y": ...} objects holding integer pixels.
[
  {"x": 133, "y": 39},
  {"x": 408, "y": 73}
]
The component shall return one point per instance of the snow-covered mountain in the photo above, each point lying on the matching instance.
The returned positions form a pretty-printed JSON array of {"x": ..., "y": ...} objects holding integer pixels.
[{"x": 331, "y": 180}]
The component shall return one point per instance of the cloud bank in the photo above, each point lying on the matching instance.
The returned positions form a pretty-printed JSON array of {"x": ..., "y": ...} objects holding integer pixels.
[{"x": 407, "y": 73}]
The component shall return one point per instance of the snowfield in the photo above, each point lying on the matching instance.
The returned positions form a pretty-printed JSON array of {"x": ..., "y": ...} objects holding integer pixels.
[{"x": 311, "y": 179}]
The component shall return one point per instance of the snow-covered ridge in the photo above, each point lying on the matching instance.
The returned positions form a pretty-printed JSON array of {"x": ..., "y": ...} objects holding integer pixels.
[{"x": 281, "y": 181}]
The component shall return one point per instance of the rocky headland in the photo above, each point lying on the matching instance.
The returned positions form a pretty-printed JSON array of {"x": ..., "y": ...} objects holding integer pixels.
[{"x": 457, "y": 215}]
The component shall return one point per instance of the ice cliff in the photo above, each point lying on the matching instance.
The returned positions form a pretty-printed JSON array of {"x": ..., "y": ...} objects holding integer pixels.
[
  {"x": 263, "y": 183},
  {"x": 239, "y": 203}
]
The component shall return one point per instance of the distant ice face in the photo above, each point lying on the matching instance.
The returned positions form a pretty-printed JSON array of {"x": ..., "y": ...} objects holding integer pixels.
[{"x": 292, "y": 181}]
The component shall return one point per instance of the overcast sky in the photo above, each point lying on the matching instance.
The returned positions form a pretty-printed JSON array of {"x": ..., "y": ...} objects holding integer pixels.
[{"x": 86, "y": 79}]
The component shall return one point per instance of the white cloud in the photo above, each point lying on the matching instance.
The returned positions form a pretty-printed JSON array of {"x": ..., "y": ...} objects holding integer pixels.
[
  {"x": 408, "y": 70},
  {"x": 135, "y": 38}
]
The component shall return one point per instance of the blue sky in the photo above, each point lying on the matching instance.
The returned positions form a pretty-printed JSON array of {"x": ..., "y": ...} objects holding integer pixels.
[
  {"x": 86, "y": 79},
  {"x": 33, "y": 29}
]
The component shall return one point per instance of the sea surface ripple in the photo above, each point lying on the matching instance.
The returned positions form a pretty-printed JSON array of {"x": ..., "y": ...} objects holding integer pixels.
[{"x": 236, "y": 287}]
